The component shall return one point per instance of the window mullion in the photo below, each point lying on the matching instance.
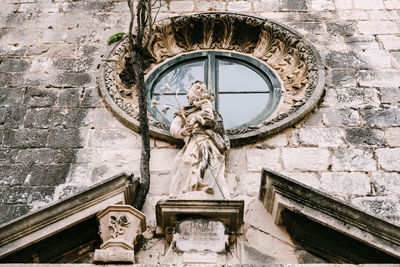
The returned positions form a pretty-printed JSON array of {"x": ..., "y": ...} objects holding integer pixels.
[{"x": 212, "y": 85}]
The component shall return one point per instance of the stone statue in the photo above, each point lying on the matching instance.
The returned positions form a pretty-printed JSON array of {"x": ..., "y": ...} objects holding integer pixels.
[{"x": 200, "y": 164}]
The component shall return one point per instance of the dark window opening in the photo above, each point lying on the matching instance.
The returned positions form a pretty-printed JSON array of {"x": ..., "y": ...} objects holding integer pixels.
[
  {"x": 73, "y": 245},
  {"x": 330, "y": 245}
]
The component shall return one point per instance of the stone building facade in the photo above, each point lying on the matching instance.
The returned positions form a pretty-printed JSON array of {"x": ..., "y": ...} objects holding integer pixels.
[{"x": 57, "y": 137}]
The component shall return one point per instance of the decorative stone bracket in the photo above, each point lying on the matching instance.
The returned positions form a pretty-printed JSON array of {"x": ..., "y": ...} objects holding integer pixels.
[
  {"x": 119, "y": 227},
  {"x": 199, "y": 231}
]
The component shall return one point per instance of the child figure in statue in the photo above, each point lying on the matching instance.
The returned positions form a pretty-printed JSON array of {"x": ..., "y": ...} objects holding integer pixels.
[{"x": 200, "y": 164}]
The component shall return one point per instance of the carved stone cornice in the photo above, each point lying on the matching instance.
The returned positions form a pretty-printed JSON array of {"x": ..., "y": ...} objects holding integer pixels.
[
  {"x": 57, "y": 217},
  {"x": 279, "y": 193},
  {"x": 282, "y": 49}
]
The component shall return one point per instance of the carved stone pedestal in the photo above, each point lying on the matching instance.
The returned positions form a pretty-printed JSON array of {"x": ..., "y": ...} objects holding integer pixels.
[
  {"x": 119, "y": 227},
  {"x": 199, "y": 231}
]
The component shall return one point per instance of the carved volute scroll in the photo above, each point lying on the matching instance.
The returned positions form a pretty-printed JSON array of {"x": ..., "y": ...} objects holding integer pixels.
[{"x": 282, "y": 49}]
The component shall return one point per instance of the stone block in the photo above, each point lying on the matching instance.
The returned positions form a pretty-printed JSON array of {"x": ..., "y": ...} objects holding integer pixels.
[
  {"x": 278, "y": 140},
  {"x": 390, "y": 95},
  {"x": 91, "y": 97},
  {"x": 22, "y": 36},
  {"x": 50, "y": 50},
  {"x": 181, "y": 6},
  {"x": 266, "y": 5},
  {"x": 11, "y": 96},
  {"x": 159, "y": 184},
  {"x": 314, "y": 119},
  {"x": 379, "y": 206},
  {"x": 352, "y": 97},
  {"x": 8, "y": 8},
  {"x": 392, "y": 4},
  {"x": 263, "y": 158},
  {"x": 13, "y": 174},
  {"x": 307, "y": 178},
  {"x": 44, "y": 118},
  {"x": 328, "y": 42},
  {"x": 23, "y": 138},
  {"x": 306, "y": 159},
  {"x": 361, "y": 42},
  {"x": 321, "y": 137},
  {"x": 348, "y": 60},
  {"x": 340, "y": 117},
  {"x": 9, "y": 212},
  {"x": 162, "y": 160},
  {"x": 12, "y": 116},
  {"x": 29, "y": 79},
  {"x": 75, "y": 79},
  {"x": 27, "y": 194},
  {"x": 48, "y": 175},
  {"x": 393, "y": 136},
  {"x": 39, "y": 7},
  {"x": 238, "y": 6},
  {"x": 383, "y": 117},
  {"x": 316, "y": 16},
  {"x": 341, "y": 28},
  {"x": 14, "y": 65},
  {"x": 281, "y": 16},
  {"x": 396, "y": 59},
  {"x": 13, "y": 19},
  {"x": 12, "y": 50},
  {"x": 390, "y": 42},
  {"x": 343, "y": 4},
  {"x": 389, "y": 158},
  {"x": 383, "y": 15},
  {"x": 345, "y": 183},
  {"x": 7, "y": 155},
  {"x": 308, "y": 27},
  {"x": 4, "y": 80},
  {"x": 45, "y": 156},
  {"x": 105, "y": 119},
  {"x": 365, "y": 136},
  {"x": 289, "y": 5},
  {"x": 349, "y": 159},
  {"x": 77, "y": 117},
  {"x": 355, "y": 15},
  {"x": 73, "y": 64},
  {"x": 377, "y": 27},
  {"x": 69, "y": 97},
  {"x": 379, "y": 78},
  {"x": 320, "y": 5},
  {"x": 376, "y": 58},
  {"x": 64, "y": 138},
  {"x": 113, "y": 138},
  {"x": 369, "y": 4},
  {"x": 386, "y": 183}
]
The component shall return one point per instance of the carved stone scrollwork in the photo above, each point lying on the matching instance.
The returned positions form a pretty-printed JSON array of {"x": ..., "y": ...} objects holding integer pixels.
[{"x": 282, "y": 49}]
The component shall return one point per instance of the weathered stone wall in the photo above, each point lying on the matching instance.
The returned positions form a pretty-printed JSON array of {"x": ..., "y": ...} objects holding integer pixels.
[{"x": 57, "y": 136}]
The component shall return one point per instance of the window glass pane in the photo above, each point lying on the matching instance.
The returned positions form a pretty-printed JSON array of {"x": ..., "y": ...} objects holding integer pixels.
[
  {"x": 181, "y": 77},
  {"x": 170, "y": 102},
  {"x": 237, "y": 109},
  {"x": 234, "y": 77}
]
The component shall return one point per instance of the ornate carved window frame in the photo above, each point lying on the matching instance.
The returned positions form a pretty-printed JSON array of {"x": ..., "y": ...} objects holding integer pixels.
[{"x": 277, "y": 46}]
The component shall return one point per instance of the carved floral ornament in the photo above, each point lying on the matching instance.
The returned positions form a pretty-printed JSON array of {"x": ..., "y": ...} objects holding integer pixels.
[{"x": 282, "y": 49}]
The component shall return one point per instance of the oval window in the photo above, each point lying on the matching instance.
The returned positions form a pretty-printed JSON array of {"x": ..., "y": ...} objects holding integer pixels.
[{"x": 246, "y": 90}]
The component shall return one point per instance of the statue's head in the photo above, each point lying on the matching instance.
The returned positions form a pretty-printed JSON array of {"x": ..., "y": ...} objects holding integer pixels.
[{"x": 198, "y": 91}]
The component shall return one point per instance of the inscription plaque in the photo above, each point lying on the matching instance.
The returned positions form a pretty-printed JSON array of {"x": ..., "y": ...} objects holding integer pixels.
[{"x": 200, "y": 235}]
